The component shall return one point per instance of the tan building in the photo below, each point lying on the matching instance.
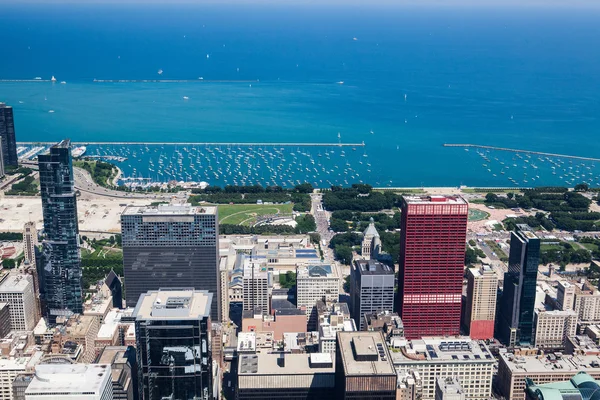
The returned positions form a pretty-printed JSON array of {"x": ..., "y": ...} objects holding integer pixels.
[
  {"x": 81, "y": 329},
  {"x": 513, "y": 369},
  {"x": 285, "y": 320},
  {"x": 442, "y": 357},
  {"x": 30, "y": 241},
  {"x": 17, "y": 290},
  {"x": 552, "y": 328},
  {"x": 585, "y": 300},
  {"x": 224, "y": 282},
  {"x": 10, "y": 367},
  {"x": 480, "y": 305}
]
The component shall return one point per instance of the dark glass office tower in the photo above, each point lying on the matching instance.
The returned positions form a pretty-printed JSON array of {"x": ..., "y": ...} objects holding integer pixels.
[
  {"x": 172, "y": 328},
  {"x": 175, "y": 245},
  {"x": 60, "y": 259},
  {"x": 516, "y": 305},
  {"x": 7, "y": 136}
]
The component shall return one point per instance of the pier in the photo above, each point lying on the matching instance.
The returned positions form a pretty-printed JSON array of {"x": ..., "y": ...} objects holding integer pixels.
[
  {"x": 197, "y": 144},
  {"x": 539, "y": 153},
  {"x": 176, "y": 80}
]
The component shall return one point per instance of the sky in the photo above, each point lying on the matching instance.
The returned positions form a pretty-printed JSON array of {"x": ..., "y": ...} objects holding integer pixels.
[{"x": 426, "y": 3}]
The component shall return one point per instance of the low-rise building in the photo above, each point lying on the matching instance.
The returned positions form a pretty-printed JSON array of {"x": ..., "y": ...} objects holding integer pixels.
[
  {"x": 442, "y": 357},
  {"x": 113, "y": 329},
  {"x": 580, "y": 386},
  {"x": 552, "y": 328},
  {"x": 10, "y": 367},
  {"x": 284, "y": 376},
  {"x": 514, "y": 369},
  {"x": 71, "y": 381},
  {"x": 284, "y": 320}
]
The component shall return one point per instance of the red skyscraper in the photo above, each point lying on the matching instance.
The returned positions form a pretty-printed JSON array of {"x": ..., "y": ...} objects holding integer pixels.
[{"x": 432, "y": 259}]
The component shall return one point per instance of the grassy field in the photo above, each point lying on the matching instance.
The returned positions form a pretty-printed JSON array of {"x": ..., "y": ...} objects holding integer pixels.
[
  {"x": 589, "y": 246},
  {"x": 245, "y": 214}
]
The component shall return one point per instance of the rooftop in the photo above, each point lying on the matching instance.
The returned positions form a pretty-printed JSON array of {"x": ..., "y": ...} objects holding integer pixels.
[
  {"x": 552, "y": 362},
  {"x": 316, "y": 271},
  {"x": 443, "y": 199},
  {"x": 442, "y": 349},
  {"x": 295, "y": 364},
  {"x": 173, "y": 304},
  {"x": 364, "y": 353},
  {"x": 372, "y": 267},
  {"x": 111, "y": 322},
  {"x": 68, "y": 378},
  {"x": 15, "y": 283},
  {"x": 169, "y": 210}
]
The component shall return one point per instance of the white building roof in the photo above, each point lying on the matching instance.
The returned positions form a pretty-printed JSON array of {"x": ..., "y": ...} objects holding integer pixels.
[{"x": 69, "y": 378}]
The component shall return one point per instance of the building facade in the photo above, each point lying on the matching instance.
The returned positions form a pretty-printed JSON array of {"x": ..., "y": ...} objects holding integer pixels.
[
  {"x": 17, "y": 290},
  {"x": 4, "y": 319},
  {"x": 430, "y": 359},
  {"x": 122, "y": 360},
  {"x": 256, "y": 287},
  {"x": 552, "y": 328},
  {"x": 371, "y": 243},
  {"x": 371, "y": 289},
  {"x": 314, "y": 283},
  {"x": 172, "y": 245},
  {"x": 173, "y": 344},
  {"x": 480, "y": 304},
  {"x": 60, "y": 279},
  {"x": 30, "y": 241},
  {"x": 432, "y": 257},
  {"x": 8, "y": 141},
  {"x": 517, "y": 302}
]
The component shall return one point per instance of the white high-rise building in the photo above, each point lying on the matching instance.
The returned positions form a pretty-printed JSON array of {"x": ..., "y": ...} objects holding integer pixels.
[
  {"x": 71, "y": 381},
  {"x": 255, "y": 286},
  {"x": 313, "y": 283},
  {"x": 17, "y": 290}
]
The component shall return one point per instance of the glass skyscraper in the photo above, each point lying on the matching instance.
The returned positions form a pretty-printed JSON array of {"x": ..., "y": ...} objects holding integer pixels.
[
  {"x": 60, "y": 267},
  {"x": 8, "y": 141},
  {"x": 516, "y": 305},
  {"x": 172, "y": 328}
]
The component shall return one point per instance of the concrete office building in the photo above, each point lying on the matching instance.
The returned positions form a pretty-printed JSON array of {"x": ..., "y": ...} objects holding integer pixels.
[
  {"x": 122, "y": 361},
  {"x": 470, "y": 361},
  {"x": 581, "y": 297},
  {"x": 514, "y": 370},
  {"x": 553, "y": 328},
  {"x": 30, "y": 241},
  {"x": 285, "y": 376},
  {"x": 60, "y": 277},
  {"x": 224, "y": 282},
  {"x": 516, "y": 309},
  {"x": 256, "y": 286},
  {"x": 371, "y": 289},
  {"x": 70, "y": 381},
  {"x": 432, "y": 258},
  {"x": 174, "y": 245},
  {"x": 8, "y": 145},
  {"x": 480, "y": 305},
  {"x": 449, "y": 389},
  {"x": 11, "y": 367},
  {"x": 17, "y": 291},
  {"x": 314, "y": 283},
  {"x": 174, "y": 356},
  {"x": 363, "y": 367}
]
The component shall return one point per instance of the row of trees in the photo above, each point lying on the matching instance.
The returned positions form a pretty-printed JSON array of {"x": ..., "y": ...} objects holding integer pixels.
[
  {"x": 547, "y": 199},
  {"x": 359, "y": 197}
]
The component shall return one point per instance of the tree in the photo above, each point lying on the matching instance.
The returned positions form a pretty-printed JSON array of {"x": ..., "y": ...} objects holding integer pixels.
[
  {"x": 510, "y": 195},
  {"x": 343, "y": 254},
  {"x": 491, "y": 198},
  {"x": 305, "y": 188},
  {"x": 306, "y": 223},
  {"x": 581, "y": 187},
  {"x": 9, "y": 264},
  {"x": 315, "y": 237},
  {"x": 338, "y": 225},
  {"x": 470, "y": 257}
]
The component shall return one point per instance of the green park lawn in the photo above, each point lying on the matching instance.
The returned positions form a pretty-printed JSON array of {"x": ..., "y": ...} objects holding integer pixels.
[{"x": 245, "y": 214}]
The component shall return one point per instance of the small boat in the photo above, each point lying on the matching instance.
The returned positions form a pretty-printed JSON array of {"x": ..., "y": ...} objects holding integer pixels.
[
  {"x": 51, "y": 111},
  {"x": 340, "y": 82},
  {"x": 160, "y": 71},
  {"x": 63, "y": 82},
  {"x": 38, "y": 78},
  {"x": 186, "y": 98},
  {"x": 53, "y": 79}
]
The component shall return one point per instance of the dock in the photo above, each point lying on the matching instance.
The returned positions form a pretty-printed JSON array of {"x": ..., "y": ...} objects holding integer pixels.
[
  {"x": 197, "y": 144},
  {"x": 539, "y": 153}
]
